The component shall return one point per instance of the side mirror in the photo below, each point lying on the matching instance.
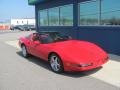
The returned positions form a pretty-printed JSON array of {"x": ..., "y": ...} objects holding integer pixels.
[{"x": 35, "y": 37}]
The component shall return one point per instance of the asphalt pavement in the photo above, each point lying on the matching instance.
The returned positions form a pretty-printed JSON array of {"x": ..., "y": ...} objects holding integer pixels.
[{"x": 18, "y": 73}]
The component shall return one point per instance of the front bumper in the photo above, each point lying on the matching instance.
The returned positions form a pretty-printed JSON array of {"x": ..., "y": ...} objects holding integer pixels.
[{"x": 78, "y": 67}]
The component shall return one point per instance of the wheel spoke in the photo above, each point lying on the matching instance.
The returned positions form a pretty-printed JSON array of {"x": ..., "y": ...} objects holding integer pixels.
[
  {"x": 52, "y": 65},
  {"x": 24, "y": 51},
  {"x": 55, "y": 58},
  {"x": 55, "y": 66}
]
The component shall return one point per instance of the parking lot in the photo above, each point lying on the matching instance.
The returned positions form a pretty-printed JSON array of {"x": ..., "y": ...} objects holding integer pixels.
[{"x": 18, "y": 73}]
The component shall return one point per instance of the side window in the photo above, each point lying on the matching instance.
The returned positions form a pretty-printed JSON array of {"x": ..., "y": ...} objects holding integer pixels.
[{"x": 45, "y": 38}]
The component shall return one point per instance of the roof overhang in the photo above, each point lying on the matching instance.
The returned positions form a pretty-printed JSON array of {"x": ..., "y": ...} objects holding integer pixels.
[{"x": 33, "y": 2}]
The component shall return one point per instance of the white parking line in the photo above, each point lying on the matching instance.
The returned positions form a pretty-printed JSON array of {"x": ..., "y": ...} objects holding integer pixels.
[
  {"x": 13, "y": 43},
  {"x": 110, "y": 72}
]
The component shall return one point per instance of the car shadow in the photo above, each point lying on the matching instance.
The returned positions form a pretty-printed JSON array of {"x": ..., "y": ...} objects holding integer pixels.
[
  {"x": 36, "y": 61},
  {"x": 93, "y": 71},
  {"x": 81, "y": 73},
  {"x": 45, "y": 65}
]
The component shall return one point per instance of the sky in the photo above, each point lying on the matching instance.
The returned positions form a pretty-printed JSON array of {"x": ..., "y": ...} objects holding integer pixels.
[
  {"x": 15, "y": 9},
  {"x": 20, "y": 8}
]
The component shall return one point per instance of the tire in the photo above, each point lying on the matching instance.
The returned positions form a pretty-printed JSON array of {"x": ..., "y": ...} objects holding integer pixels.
[
  {"x": 56, "y": 63},
  {"x": 24, "y": 51}
]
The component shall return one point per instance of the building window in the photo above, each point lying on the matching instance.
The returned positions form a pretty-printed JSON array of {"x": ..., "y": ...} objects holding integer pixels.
[
  {"x": 89, "y": 13},
  {"x": 110, "y": 12},
  {"x": 58, "y": 16},
  {"x": 54, "y": 16},
  {"x": 66, "y": 15},
  {"x": 99, "y": 12},
  {"x": 43, "y": 17}
]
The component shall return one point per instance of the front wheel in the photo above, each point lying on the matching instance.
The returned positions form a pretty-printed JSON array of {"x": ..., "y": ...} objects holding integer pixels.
[
  {"x": 24, "y": 51},
  {"x": 56, "y": 63}
]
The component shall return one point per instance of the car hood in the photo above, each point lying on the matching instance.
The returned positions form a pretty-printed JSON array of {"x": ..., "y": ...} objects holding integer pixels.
[{"x": 79, "y": 51}]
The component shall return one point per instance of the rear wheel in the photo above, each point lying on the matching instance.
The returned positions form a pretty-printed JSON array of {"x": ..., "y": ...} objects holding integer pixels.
[
  {"x": 24, "y": 51},
  {"x": 56, "y": 63}
]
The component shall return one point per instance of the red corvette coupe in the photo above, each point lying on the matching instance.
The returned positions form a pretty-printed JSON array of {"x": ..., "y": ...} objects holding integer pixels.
[{"x": 62, "y": 52}]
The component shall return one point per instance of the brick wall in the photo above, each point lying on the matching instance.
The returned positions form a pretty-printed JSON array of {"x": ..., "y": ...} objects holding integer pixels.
[{"x": 4, "y": 27}]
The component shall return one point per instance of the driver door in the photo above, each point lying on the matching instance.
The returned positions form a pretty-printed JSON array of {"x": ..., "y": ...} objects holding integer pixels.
[
  {"x": 40, "y": 50},
  {"x": 37, "y": 48},
  {"x": 33, "y": 44}
]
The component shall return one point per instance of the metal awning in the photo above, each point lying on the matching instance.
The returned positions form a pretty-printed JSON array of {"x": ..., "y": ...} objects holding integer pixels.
[{"x": 33, "y": 2}]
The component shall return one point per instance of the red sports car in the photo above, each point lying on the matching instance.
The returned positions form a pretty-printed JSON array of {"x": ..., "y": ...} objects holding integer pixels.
[{"x": 62, "y": 52}]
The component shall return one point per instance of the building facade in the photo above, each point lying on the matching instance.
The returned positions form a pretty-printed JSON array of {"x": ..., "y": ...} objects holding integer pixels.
[
  {"x": 97, "y": 21},
  {"x": 22, "y": 22}
]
